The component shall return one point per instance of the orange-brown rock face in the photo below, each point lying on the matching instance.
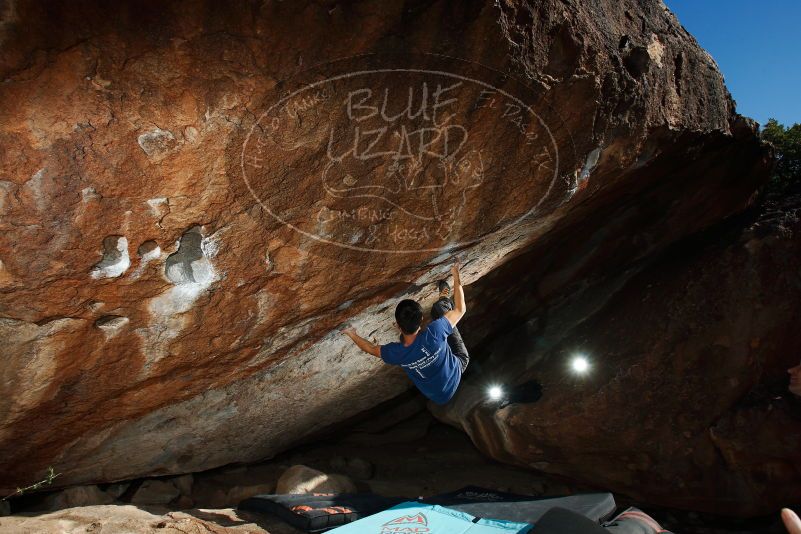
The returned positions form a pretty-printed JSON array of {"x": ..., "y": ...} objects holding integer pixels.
[{"x": 193, "y": 196}]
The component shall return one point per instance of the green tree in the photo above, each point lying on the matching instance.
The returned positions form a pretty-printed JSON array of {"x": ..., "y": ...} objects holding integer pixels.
[{"x": 787, "y": 142}]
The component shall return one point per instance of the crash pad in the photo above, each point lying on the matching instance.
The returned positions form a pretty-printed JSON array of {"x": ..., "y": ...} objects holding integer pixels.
[
  {"x": 418, "y": 518},
  {"x": 482, "y": 502}
]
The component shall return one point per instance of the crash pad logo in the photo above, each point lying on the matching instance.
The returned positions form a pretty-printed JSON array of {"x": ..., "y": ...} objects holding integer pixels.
[
  {"x": 396, "y": 155},
  {"x": 409, "y": 524}
]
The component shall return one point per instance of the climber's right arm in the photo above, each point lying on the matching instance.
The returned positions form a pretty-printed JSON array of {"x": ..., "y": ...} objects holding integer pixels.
[{"x": 366, "y": 346}]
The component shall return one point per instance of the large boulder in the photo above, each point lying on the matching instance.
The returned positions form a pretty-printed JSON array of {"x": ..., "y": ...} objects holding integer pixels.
[
  {"x": 685, "y": 402},
  {"x": 189, "y": 206}
]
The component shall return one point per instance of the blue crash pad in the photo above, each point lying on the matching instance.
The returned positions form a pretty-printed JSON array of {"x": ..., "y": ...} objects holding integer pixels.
[{"x": 418, "y": 518}]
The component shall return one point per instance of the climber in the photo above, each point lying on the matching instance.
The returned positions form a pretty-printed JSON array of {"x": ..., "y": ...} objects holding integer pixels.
[{"x": 434, "y": 358}]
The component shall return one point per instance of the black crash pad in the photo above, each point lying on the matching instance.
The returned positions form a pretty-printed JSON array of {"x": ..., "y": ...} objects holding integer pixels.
[
  {"x": 490, "y": 504},
  {"x": 632, "y": 521},
  {"x": 560, "y": 521},
  {"x": 320, "y": 511}
]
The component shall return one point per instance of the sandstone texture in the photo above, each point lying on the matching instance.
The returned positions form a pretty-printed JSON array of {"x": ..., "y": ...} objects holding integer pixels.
[
  {"x": 195, "y": 196},
  {"x": 126, "y": 519}
]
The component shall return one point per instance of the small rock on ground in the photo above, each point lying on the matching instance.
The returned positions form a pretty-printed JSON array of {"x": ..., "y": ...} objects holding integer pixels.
[
  {"x": 302, "y": 479},
  {"x": 155, "y": 492}
]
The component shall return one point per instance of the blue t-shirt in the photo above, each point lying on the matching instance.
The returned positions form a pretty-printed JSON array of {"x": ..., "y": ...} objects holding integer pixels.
[{"x": 428, "y": 361}]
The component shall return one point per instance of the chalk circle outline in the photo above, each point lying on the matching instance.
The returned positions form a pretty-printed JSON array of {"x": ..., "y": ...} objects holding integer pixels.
[{"x": 312, "y": 85}]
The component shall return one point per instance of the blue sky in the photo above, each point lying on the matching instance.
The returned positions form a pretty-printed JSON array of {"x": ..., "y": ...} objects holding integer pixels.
[{"x": 757, "y": 45}]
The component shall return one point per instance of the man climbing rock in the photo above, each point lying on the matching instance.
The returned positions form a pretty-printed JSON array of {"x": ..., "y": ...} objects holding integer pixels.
[{"x": 434, "y": 358}]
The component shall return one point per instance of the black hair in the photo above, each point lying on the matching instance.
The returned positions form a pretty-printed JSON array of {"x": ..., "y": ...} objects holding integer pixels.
[{"x": 409, "y": 315}]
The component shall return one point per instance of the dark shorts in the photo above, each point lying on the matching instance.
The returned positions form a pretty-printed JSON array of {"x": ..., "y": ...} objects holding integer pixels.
[{"x": 455, "y": 340}]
